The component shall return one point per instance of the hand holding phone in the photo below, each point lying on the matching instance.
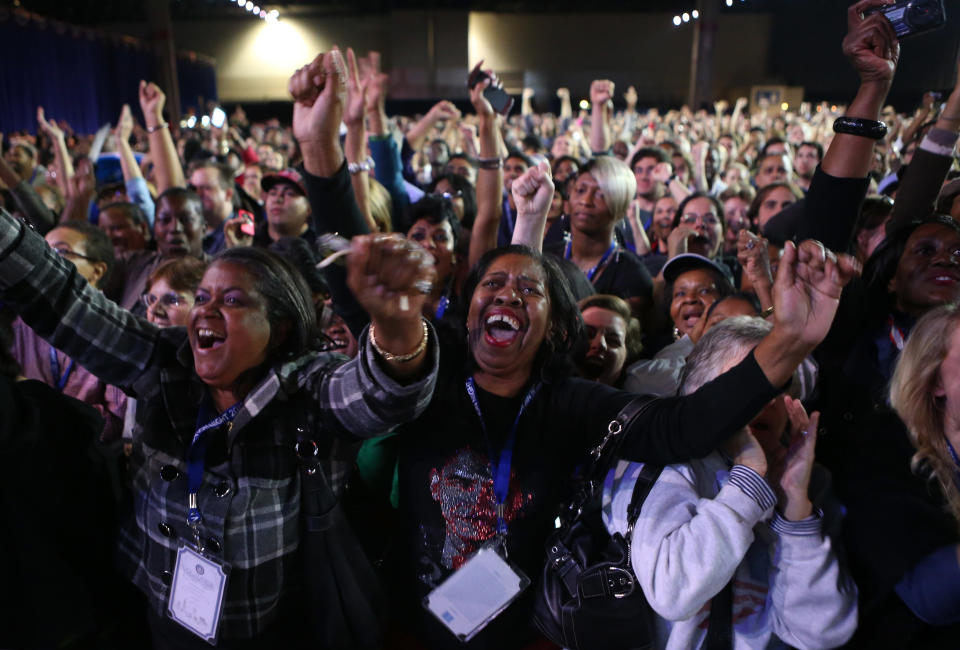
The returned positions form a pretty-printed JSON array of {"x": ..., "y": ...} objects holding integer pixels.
[
  {"x": 246, "y": 226},
  {"x": 499, "y": 100}
]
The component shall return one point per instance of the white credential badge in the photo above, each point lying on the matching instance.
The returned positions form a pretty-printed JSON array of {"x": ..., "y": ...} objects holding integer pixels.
[
  {"x": 473, "y": 596},
  {"x": 196, "y": 594}
]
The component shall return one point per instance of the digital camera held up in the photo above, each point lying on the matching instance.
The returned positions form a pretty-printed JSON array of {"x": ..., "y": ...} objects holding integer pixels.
[{"x": 914, "y": 17}]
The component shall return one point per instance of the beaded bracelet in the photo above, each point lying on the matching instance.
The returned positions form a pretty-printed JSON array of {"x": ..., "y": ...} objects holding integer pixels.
[
  {"x": 400, "y": 358},
  {"x": 154, "y": 129}
]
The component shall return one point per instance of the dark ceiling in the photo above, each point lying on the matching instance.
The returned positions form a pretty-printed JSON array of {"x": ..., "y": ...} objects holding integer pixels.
[
  {"x": 92, "y": 12},
  {"x": 805, "y": 34}
]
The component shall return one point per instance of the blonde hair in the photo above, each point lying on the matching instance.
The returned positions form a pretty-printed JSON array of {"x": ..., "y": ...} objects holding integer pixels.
[
  {"x": 912, "y": 395},
  {"x": 618, "y": 183},
  {"x": 381, "y": 206}
]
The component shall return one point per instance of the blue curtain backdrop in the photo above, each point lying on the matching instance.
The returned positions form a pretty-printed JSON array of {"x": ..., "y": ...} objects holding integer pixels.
[{"x": 81, "y": 76}]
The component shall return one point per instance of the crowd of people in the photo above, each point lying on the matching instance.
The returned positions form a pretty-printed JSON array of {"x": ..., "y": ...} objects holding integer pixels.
[{"x": 260, "y": 348}]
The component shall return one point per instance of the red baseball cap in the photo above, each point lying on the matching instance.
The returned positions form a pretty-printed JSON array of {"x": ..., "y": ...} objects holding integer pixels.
[{"x": 289, "y": 175}]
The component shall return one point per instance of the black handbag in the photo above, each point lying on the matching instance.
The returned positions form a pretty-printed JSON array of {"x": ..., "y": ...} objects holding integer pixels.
[
  {"x": 346, "y": 602},
  {"x": 588, "y": 596}
]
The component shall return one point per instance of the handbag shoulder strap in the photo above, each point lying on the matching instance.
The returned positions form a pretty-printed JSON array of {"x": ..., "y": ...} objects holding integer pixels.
[
  {"x": 603, "y": 453},
  {"x": 720, "y": 623},
  {"x": 649, "y": 474}
]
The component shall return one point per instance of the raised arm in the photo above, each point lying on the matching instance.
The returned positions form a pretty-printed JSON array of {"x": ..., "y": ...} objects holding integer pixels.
[
  {"x": 388, "y": 168},
  {"x": 388, "y": 275},
  {"x": 58, "y": 304},
  {"x": 872, "y": 48},
  {"x": 808, "y": 583},
  {"x": 736, "y": 118},
  {"x": 830, "y": 209},
  {"x": 489, "y": 176},
  {"x": 630, "y": 116},
  {"x": 601, "y": 110},
  {"x": 806, "y": 295},
  {"x": 921, "y": 183},
  {"x": 920, "y": 118},
  {"x": 166, "y": 163},
  {"x": 61, "y": 157},
  {"x": 132, "y": 176},
  {"x": 355, "y": 144},
  {"x": 754, "y": 259},
  {"x": 566, "y": 110},
  {"x": 532, "y": 194},
  {"x": 318, "y": 91},
  {"x": 442, "y": 110},
  {"x": 526, "y": 103},
  {"x": 699, "y": 153}
]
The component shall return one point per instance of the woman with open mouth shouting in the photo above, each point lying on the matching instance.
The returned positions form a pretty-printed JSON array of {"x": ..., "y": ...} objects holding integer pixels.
[
  {"x": 226, "y": 405},
  {"x": 485, "y": 466}
]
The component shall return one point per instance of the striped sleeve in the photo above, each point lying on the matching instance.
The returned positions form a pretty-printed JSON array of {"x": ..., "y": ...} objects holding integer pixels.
[
  {"x": 367, "y": 402},
  {"x": 753, "y": 485},
  {"x": 57, "y": 303}
]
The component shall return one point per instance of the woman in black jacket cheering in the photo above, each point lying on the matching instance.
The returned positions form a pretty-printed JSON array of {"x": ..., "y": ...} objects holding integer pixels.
[{"x": 485, "y": 465}]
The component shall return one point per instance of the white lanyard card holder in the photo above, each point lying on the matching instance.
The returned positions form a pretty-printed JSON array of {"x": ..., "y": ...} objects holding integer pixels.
[
  {"x": 476, "y": 593},
  {"x": 197, "y": 591}
]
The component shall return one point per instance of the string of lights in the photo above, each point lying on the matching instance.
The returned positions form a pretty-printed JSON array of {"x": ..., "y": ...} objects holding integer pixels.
[
  {"x": 688, "y": 16},
  {"x": 271, "y": 16}
]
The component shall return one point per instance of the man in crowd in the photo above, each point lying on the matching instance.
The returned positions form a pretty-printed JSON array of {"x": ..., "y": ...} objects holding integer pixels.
[
  {"x": 213, "y": 182},
  {"x": 805, "y": 161}
]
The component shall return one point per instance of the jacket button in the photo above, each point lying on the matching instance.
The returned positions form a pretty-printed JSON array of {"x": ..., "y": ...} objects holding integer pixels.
[
  {"x": 847, "y": 416},
  {"x": 213, "y": 544},
  {"x": 169, "y": 473},
  {"x": 167, "y": 578},
  {"x": 222, "y": 489},
  {"x": 165, "y": 529}
]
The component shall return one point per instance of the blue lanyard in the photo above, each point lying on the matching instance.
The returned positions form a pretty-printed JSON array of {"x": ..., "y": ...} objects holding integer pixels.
[
  {"x": 953, "y": 454},
  {"x": 60, "y": 380},
  {"x": 603, "y": 260},
  {"x": 501, "y": 466},
  {"x": 196, "y": 456},
  {"x": 441, "y": 308}
]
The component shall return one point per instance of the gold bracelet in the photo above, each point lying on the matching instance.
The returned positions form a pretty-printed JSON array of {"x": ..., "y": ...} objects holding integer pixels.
[
  {"x": 767, "y": 312},
  {"x": 400, "y": 358}
]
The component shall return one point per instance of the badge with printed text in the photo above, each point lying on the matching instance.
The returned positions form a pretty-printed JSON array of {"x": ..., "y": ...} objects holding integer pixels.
[
  {"x": 476, "y": 594},
  {"x": 196, "y": 594}
]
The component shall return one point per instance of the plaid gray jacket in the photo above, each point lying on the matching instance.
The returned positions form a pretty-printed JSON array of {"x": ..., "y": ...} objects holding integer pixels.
[{"x": 250, "y": 497}]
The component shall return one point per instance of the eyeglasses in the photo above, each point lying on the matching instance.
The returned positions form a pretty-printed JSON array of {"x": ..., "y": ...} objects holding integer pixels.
[
  {"x": 66, "y": 252},
  {"x": 708, "y": 219},
  {"x": 167, "y": 300}
]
